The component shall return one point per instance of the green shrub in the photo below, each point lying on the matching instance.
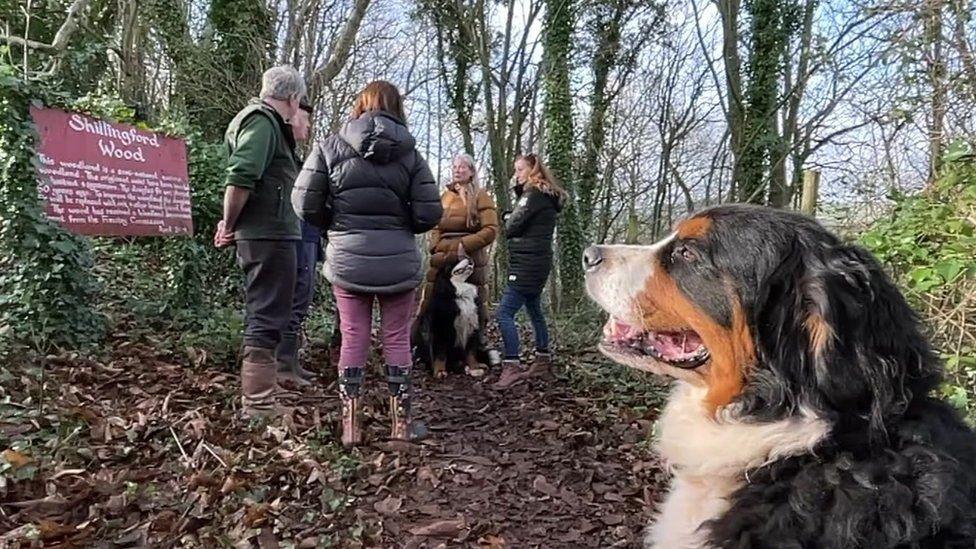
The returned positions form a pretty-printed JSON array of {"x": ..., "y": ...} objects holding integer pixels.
[
  {"x": 47, "y": 289},
  {"x": 170, "y": 276},
  {"x": 929, "y": 241},
  {"x": 180, "y": 287}
]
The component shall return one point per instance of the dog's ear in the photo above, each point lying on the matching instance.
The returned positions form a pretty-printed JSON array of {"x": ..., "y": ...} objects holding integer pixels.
[
  {"x": 835, "y": 333},
  {"x": 460, "y": 251}
]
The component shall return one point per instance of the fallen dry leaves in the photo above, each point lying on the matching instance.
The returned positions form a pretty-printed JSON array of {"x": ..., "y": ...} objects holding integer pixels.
[
  {"x": 16, "y": 459},
  {"x": 144, "y": 448},
  {"x": 440, "y": 528}
]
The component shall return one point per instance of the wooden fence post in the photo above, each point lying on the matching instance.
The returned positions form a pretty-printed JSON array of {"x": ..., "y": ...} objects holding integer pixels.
[{"x": 811, "y": 188}]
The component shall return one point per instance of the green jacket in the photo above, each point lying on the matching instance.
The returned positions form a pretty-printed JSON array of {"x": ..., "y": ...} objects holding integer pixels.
[{"x": 261, "y": 158}]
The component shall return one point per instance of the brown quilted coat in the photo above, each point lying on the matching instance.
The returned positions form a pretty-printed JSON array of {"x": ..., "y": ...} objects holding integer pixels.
[{"x": 453, "y": 229}]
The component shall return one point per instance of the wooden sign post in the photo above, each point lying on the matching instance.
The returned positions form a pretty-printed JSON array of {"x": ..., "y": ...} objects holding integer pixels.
[{"x": 811, "y": 188}]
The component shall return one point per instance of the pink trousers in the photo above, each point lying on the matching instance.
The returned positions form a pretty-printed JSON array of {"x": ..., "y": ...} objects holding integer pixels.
[{"x": 356, "y": 322}]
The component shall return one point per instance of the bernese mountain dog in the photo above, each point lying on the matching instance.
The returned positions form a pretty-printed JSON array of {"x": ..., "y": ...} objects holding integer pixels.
[
  {"x": 448, "y": 332},
  {"x": 805, "y": 411}
]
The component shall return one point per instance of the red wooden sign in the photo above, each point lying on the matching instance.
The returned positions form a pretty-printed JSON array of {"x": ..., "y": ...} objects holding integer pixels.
[{"x": 102, "y": 178}]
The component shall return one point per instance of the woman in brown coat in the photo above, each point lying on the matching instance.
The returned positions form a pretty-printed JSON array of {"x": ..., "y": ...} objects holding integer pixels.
[{"x": 469, "y": 219}]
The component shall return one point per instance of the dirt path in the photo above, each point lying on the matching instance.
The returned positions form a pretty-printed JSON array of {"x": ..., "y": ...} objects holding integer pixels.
[
  {"x": 534, "y": 466},
  {"x": 140, "y": 450}
]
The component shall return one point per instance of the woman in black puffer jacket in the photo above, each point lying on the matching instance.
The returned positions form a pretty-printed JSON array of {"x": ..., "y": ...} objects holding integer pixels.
[
  {"x": 371, "y": 189},
  {"x": 529, "y": 229}
]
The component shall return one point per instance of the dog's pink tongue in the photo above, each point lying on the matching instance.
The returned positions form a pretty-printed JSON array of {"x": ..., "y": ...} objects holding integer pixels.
[{"x": 678, "y": 345}]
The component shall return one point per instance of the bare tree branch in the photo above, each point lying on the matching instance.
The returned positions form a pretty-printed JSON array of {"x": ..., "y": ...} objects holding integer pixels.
[
  {"x": 341, "y": 48},
  {"x": 61, "y": 38}
]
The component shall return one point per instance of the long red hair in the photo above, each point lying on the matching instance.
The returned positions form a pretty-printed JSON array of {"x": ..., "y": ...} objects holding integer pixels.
[
  {"x": 540, "y": 177},
  {"x": 379, "y": 95}
]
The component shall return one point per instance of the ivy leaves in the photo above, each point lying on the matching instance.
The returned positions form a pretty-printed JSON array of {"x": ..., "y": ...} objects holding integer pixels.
[
  {"x": 930, "y": 242},
  {"x": 47, "y": 288},
  {"x": 931, "y": 238}
]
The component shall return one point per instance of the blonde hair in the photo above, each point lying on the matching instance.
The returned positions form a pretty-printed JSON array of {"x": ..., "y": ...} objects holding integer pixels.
[
  {"x": 539, "y": 176},
  {"x": 473, "y": 188},
  {"x": 379, "y": 95}
]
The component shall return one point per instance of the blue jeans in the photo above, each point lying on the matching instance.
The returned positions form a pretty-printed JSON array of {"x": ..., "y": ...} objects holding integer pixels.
[
  {"x": 307, "y": 255},
  {"x": 512, "y": 301}
]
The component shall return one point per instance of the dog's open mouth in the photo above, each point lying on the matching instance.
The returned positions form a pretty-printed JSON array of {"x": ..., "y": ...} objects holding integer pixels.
[
  {"x": 678, "y": 348},
  {"x": 463, "y": 269}
]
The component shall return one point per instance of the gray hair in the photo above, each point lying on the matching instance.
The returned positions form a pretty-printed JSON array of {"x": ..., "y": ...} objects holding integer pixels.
[{"x": 282, "y": 83}]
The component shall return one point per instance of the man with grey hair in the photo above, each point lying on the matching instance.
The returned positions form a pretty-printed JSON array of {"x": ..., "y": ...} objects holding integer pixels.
[{"x": 259, "y": 220}]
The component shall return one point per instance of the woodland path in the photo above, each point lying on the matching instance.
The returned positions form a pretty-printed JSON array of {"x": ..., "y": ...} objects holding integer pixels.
[{"x": 159, "y": 457}]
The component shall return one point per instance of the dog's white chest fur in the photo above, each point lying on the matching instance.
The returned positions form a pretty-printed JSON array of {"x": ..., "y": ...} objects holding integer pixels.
[
  {"x": 709, "y": 458},
  {"x": 467, "y": 320},
  {"x": 691, "y": 501}
]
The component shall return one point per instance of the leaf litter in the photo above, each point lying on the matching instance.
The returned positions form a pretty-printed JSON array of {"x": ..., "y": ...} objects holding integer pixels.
[{"x": 146, "y": 448}]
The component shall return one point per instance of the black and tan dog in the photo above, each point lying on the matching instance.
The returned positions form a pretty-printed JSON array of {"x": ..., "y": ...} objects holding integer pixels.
[
  {"x": 805, "y": 412},
  {"x": 447, "y": 335}
]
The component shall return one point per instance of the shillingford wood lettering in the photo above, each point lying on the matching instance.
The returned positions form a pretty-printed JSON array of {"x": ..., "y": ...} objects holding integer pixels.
[{"x": 102, "y": 178}]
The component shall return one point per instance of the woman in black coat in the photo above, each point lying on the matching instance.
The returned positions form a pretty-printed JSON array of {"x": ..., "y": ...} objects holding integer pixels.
[
  {"x": 372, "y": 190},
  {"x": 529, "y": 229}
]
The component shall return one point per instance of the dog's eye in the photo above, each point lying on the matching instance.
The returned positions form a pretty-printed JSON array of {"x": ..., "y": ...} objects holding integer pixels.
[{"x": 684, "y": 253}]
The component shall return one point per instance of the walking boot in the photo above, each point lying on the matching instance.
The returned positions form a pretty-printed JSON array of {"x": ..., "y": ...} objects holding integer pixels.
[
  {"x": 289, "y": 367},
  {"x": 512, "y": 372},
  {"x": 494, "y": 357},
  {"x": 350, "y": 383},
  {"x": 401, "y": 392},
  {"x": 258, "y": 383},
  {"x": 542, "y": 365}
]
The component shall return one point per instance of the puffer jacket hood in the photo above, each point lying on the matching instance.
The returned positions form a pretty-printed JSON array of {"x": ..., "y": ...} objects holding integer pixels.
[{"x": 378, "y": 137}]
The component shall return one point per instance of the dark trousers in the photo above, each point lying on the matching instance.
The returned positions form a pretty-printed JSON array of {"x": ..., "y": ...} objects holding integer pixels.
[
  {"x": 304, "y": 283},
  {"x": 512, "y": 301},
  {"x": 269, "y": 287},
  {"x": 308, "y": 256}
]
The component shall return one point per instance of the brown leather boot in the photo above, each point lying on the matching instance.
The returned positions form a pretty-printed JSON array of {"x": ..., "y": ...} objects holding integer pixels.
[
  {"x": 512, "y": 373},
  {"x": 541, "y": 366},
  {"x": 440, "y": 368},
  {"x": 350, "y": 383},
  {"x": 401, "y": 393},
  {"x": 258, "y": 383}
]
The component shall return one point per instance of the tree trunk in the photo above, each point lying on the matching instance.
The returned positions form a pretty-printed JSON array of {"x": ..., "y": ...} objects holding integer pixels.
[
  {"x": 500, "y": 169},
  {"x": 760, "y": 101},
  {"x": 762, "y": 171},
  {"x": 795, "y": 89},
  {"x": 340, "y": 49},
  {"x": 60, "y": 42},
  {"x": 962, "y": 14},
  {"x": 604, "y": 59},
  {"x": 453, "y": 41},
  {"x": 558, "y": 113},
  {"x": 729, "y": 12},
  {"x": 937, "y": 77},
  {"x": 131, "y": 60}
]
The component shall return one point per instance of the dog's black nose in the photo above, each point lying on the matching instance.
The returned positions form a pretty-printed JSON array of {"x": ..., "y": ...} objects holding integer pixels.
[{"x": 592, "y": 258}]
